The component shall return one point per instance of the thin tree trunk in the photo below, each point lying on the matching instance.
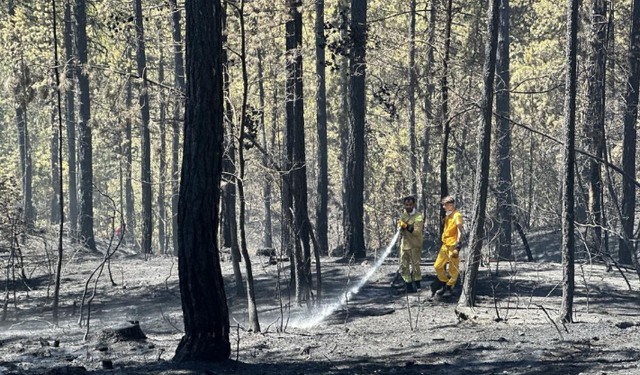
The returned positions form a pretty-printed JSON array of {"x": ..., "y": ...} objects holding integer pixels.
[
  {"x": 503, "y": 134},
  {"x": 412, "y": 101},
  {"x": 56, "y": 63},
  {"x": 568, "y": 241},
  {"x": 204, "y": 304},
  {"x": 286, "y": 198},
  {"x": 531, "y": 183},
  {"x": 481, "y": 182},
  {"x": 354, "y": 225},
  {"x": 145, "y": 136},
  {"x": 428, "y": 109},
  {"x": 444, "y": 121},
  {"x": 177, "y": 110},
  {"x": 55, "y": 169},
  {"x": 629, "y": 140},
  {"x": 162, "y": 178},
  {"x": 129, "y": 197},
  {"x": 303, "y": 224},
  {"x": 26, "y": 165},
  {"x": 229, "y": 175},
  {"x": 229, "y": 222},
  {"x": 594, "y": 120},
  {"x": 85, "y": 139},
  {"x": 295, "y": 156},
  {"x": 321, "y": 116},
  {"x": 70, "y": 121},
  {"x": 343, "y": 116},
  {"x": 445, "y": 126},
  {"x": 251, "y": 298},
  {"x": 266, "y": 192}
]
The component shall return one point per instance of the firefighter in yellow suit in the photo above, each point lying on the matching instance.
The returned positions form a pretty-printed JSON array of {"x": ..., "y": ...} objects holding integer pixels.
[
  {"x": 411, "y": 247},
  {"x": 452, "y": 234}
]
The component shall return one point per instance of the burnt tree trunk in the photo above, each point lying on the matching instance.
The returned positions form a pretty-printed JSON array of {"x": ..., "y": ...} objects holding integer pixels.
[
  {"x": 594, "y": 121},
  {"x": 481, "y": 182},
  {"x": 57, "y": 155},
  {"x": 413, "y": 79},
  {"x": 343, "y": 116},
  {"x": 229, "y": 222},
  {"x": 444, "y": 115},
  {"x": 629, "y": 141},
  {"x": 322, "y": 225},
  {"x": 26, "y": 165},
  {"x": 266, "y": 192},
  {"x": 175, "y": 121},
  {"x": 70, "y": 121},
  {"x": 145, "y": 139},
  {"x": 428, "y": 109},
  {"x": 85, "y": 139},
  {"x": 354, "y": 224},
  {"x": 251, "y": 298},
  {"x": 568, "y": 219},
  {"x": 204, "y": 304},
  {"x": 54, "y": 203},
  {"x": 295, "y": 150},
  {"x": 162, "y": 178},
  {"x": 129, "y": 197},
  {"x": 503, "y": 134}
]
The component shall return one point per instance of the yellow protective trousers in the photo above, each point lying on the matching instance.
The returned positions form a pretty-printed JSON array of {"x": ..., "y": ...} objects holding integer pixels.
[
  {"x": 410, "y": 264},
  {"x": 444, "y": 257}
]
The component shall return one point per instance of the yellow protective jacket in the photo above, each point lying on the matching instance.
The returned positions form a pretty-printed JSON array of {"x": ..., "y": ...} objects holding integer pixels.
[
  {"x": 450, "y": 230},
  {"x": 412, "y": 240}
]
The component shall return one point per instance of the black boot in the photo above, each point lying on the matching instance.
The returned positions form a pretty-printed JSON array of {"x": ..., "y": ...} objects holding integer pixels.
[
  {"x": 410, "y": 287},
  {"x": 447, "y": 291},
  {"x": 435, "y": 286}
]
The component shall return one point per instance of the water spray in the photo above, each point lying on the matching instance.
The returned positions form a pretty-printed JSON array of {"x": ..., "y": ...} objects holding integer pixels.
[{"x": 327, "y": 310}]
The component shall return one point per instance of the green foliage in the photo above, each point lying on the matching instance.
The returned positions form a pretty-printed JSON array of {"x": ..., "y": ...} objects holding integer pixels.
[{"x": 537, "y": 59}]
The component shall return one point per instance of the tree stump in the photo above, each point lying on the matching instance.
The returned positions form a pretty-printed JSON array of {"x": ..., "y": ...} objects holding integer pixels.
[{"x": 128, "y": 332}]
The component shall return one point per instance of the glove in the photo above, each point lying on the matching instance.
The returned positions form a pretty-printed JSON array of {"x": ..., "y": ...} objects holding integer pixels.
[
  {"x": 455, "y": 253},
  {"x": 410, "y": 228},
  {"x": 402, "y": 225}
]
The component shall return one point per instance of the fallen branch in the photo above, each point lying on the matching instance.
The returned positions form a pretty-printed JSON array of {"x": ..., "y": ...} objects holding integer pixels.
[{"x": 552, "y": 322}]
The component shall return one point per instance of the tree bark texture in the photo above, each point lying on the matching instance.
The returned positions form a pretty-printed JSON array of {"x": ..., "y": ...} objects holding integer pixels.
[
  {"x": 266, "y": 192},
  {"x": 629, "y": 141},
  {"x": 594, "y": 120},
  {"x": 57, "y": 154},
  {"x": 295, "y": 149},
  {"x": 26, "y": 165},
  {"x": 230, "y": 224},
  {"x": 162, "y": 178},
  {"x": 322, "y": 225},
  {"x": 428, "y": 109},
  {"x": 70, "y": 121},
  {"x": 503, "y": 134},
  {"x": 54, "y": 203},
  {"x": 145, "y": 136},
  {"x": 568, "y": 159},
  {"x": 343, "y": 114},
  {"x": 129, "y": 197},
  {"x": 252, "y": 309},
  {"x": 444, "y": 115},
  {"x": 204, "y": 304},
  {"x": 176, "y": 123},
  {"x": 481, "y": 182},
  {"x": 413, "y": 81},
  {"x": 354, "y": 225},
  {"x": 85, "y": 139}
]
